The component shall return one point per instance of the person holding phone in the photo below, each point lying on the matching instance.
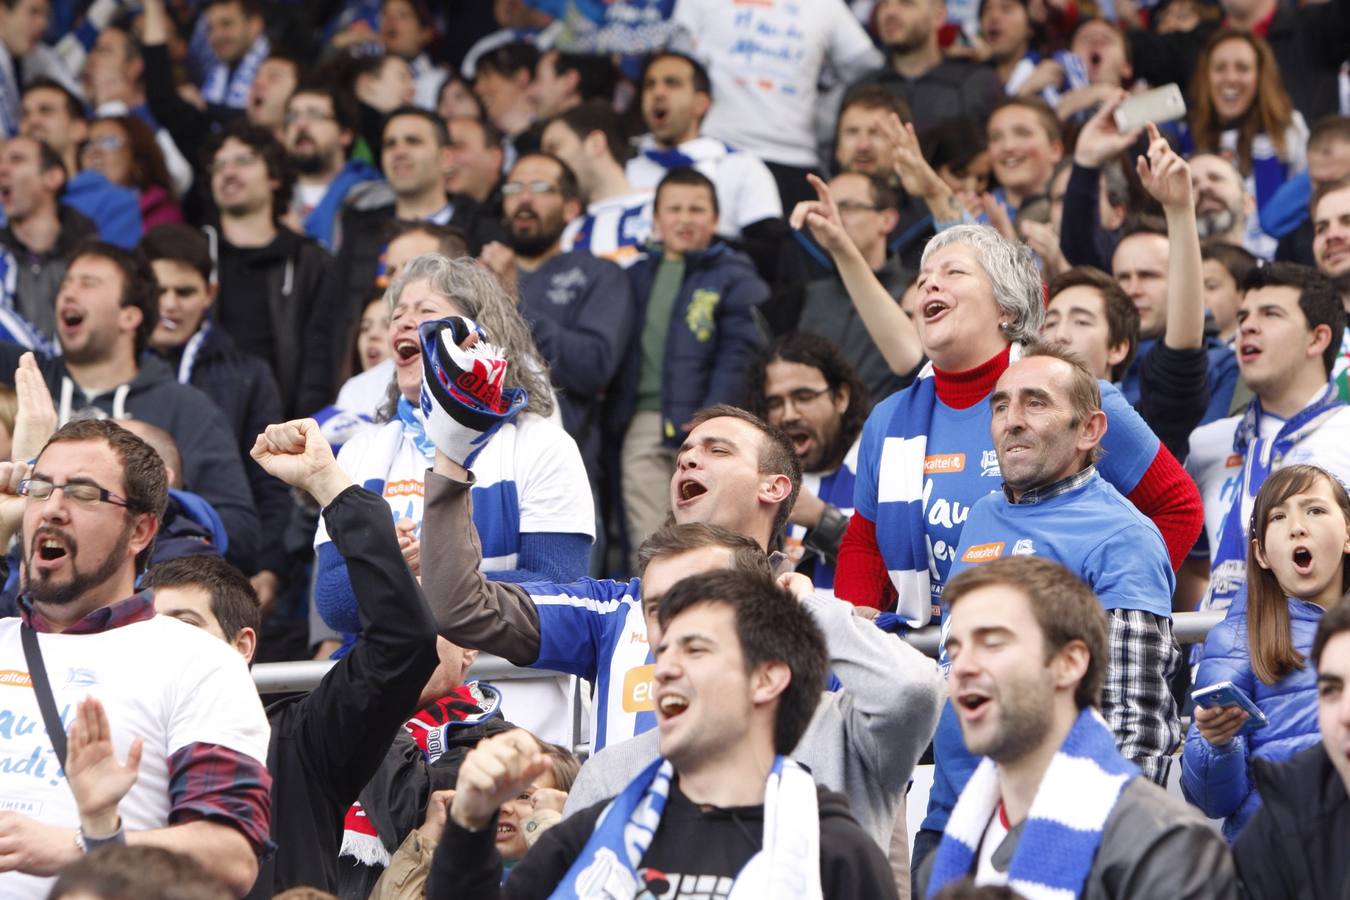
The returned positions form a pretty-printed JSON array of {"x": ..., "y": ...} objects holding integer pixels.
[{"x": 1295, "y": 570}]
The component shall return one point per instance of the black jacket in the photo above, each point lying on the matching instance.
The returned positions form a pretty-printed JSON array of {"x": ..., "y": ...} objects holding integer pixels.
[
  {"x": 302, "y": 300},
  {"x": 327, "y": 744},
  {"x": 245, "y": 390},
  {"x": 689, "y": 841},
  {"x": 211, "y": 464},
  {"x": 1296, "y": 844},
  {"x": 187, "y": 125}
]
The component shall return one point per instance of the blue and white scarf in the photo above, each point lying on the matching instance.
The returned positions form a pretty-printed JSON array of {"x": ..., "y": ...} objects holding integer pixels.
[
  {"x": 223, "y": 88},
  {"x": 787, "y": 865},
  {"x": 9, "y": 94},
  {"x": 414, "y": 427},
  {"x": 1064, "y": 825},
  {"x": 902, "y": 535},
  {"x": 1260, "y": 457}
]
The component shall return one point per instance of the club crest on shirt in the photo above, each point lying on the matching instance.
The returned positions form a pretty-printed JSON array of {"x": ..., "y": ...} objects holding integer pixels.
[
  {"x": 1024, "y": 547},
  {"x": 564, "y": 287},
  {"x": 989, "y": 465}
]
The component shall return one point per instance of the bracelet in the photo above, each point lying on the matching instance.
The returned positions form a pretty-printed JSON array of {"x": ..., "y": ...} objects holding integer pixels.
[{"x": 87, "y": 844}]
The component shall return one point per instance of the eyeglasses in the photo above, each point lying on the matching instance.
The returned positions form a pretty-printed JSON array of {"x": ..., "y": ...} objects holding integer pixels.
[
  {"x": 800, "y": 397},
  {"x": 851, "y": 206},
  {"x": 511, "y": 188},
  {"x": 308, "y": 115},
  {"x": 81, "y": 492},
  {"x": 243, "y": 160},
  {"x": 107, "y": 142}
]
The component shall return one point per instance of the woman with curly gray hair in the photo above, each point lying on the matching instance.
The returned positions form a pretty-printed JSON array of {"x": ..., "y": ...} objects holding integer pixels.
[
  {"x": 532, "y": 502},
  {"x": 926, "y": 455}
]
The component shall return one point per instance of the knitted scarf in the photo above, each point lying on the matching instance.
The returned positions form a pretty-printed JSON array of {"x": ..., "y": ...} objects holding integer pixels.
[
  {"x": 901, "y": 533},
  {"x": 1064, "y": 826},
  {"x": 468, "y": 704},
  {"x": 787, "y": 865},
  {"x": 224, "y": 88},
  {"x": 1260, "y": 457}
]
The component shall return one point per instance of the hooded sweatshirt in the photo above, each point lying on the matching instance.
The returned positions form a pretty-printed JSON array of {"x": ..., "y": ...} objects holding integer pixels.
[{"x": 211, "y": 463}]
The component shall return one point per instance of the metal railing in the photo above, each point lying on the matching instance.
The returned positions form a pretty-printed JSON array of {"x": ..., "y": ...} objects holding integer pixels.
[{"x": 285, "y": 677}]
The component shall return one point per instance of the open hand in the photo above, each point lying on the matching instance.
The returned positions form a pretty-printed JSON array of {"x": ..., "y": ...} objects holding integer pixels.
[
  {"x": 97, "y": 779},
  {"x": 36, "y": 419},
  {"x": 297, "y": 453}
]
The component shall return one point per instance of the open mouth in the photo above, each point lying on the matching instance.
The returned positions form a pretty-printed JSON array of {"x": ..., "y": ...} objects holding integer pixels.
[
  {"x": 659, "y": 114},
  {"x": 406, "y": 349},
  {"x": 801, "y": 438},
  {"x": 690, "y": 489},
  {"x": 934, "y": 308},
  {"x": 971, "y": 700},
  {"x": 672, "y": 705},
  {"x": 72, "y": 318},
  {"x": 1303, "y": 559},
  {"x": 505, "y": 831},
  {"x": 1248, "y": 352}
]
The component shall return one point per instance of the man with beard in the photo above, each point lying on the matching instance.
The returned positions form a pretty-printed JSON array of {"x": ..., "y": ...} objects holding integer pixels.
[
  {"x": 278, "y": 298},
  {"x": 805, "y": 388},
  {"x": 321, "y": 124},
  {"x": 580, "y": 308},
  {"x": 106, "y": 310},
  {"x": 1030, "y": 653},
  {"x": 1224, "y": 210},
  {"x": 936, "y": 88},
  {"x": 1330, "y": 209},
  {"x": 180, "y": 705}
]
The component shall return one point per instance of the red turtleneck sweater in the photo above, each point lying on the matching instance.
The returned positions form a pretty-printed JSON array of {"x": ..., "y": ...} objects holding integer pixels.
[{"x": 1166, "y": 494}]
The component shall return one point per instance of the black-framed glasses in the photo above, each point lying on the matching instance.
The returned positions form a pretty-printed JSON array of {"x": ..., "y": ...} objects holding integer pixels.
[
  {"x": 511, "y": 188},
  {"x": 800, "y": 397},
  {"x": 81, "y": 492}
]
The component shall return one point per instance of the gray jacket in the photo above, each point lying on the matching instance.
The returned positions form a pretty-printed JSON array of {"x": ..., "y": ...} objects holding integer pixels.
[
  {"x": 1154, "y": 845},
  {"x": 863, "y": 741}
]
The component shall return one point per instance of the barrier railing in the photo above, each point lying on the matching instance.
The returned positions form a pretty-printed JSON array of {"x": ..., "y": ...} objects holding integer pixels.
[{"x": 286, "y": 677}]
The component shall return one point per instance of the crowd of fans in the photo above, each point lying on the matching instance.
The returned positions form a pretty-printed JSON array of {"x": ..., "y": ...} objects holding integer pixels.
[{"x": 690, "y": 353}]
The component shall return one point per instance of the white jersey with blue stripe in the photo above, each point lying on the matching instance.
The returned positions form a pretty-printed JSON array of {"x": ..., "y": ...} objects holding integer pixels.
[
  {"x": 596, "y": 631},
  {"x": 615, "y": 229}
]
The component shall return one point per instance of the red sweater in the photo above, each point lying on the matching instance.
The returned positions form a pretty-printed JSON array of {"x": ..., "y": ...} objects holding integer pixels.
[{"x": 1165, "y": 493}]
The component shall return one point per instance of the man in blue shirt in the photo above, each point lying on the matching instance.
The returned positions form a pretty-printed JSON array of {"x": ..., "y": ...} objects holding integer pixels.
[{"x": 1047, "y": 424}]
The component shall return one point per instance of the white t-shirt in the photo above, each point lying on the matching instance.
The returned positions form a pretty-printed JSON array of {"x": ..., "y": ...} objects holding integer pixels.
[
  {"x": 746, "y": 191},
  {"x": 529, "y": 478},
  {"x": 765, "y": 60},
  {"x": 161, "y": 680},
  {"x": 1217, "y": 471}
]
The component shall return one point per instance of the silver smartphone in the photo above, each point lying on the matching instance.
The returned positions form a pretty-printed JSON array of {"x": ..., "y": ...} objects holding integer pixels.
[{"x": 1164, "y": 104}]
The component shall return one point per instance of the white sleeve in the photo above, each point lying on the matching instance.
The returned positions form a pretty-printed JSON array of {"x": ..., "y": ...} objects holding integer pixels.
[
  {"x": 554, "y": 492},
  {"x": 757, "y": 196},
  {"x": 214, "y": 699},
  {"x": 851, "y": 52}
]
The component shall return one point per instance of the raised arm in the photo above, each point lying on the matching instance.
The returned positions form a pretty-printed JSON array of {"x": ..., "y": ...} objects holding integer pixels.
[
  {"x": 1166, "y": 176},
  {"x": 886, "y": 323}
]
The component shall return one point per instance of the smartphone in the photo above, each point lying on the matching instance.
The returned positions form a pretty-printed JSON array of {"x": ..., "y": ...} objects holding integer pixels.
[
  {"x": 1164, "y": 104},
  {"x": 1225, "y": 693}
]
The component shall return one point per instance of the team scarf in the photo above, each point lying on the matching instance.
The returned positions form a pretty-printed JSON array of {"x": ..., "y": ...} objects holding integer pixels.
[
  {"x": 415, "y": 428},
  {"x": 1260, "y": 456},
  {"x": 1064, "y": 826},
  {"x": 468, "y": 704},
  {"x": 191, "y": 350},
  {"x": 224, "y": 88},
  {"x": 686, "y": 155},
  {"x": 787, "y": 865},
  {"x": 9, "y": 94},
  {"x": 902, "y": 533}
]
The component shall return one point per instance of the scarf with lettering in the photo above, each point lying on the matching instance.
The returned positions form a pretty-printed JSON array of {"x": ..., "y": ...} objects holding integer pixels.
[
  {"x": 225, "y": 88},
  {"x": 786, "y": 867}
]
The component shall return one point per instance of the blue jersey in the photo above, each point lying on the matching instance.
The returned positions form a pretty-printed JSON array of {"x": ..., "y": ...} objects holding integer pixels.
[{"x": 596, "y": 631}]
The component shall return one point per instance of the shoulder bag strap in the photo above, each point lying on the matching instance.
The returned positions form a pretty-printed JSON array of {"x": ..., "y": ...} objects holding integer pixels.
[{"x": 32, "y": 654}]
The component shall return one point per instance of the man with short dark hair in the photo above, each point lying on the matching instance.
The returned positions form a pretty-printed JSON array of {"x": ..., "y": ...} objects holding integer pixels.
[
  {"x": 1029, "y": 652},
  {"x": 501, "y": 80},
  {"x": 321, "y": 124},
  {"x": 407, "y": 30},
  {"x": 40, "y": 231},
  {"x": 739, "y": 671},
  {"x": 22, "y": 56},
  {"x": 676, "y": 95},
  {"x": 617, "y": 223},
  {"x": 475, "y": 160},
  {"x": 106, "y": 310},
  {"x": 804, "y": 387},
  {"x": 936, "y": 88},
  {"x": 178, "y": 702},
  {"x": 565, "y": 80},
  {"x": 278, "y": 296},
  {"x": 1295, "y": 844},
  {"x": 238, "y": 41},
  {"x": 1290, "y": 326}
]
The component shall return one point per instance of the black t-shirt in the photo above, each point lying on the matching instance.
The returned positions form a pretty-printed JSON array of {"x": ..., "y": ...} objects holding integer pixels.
[
  {"x": 696, "y": 852},
  {"x": 242, "y": 308}
]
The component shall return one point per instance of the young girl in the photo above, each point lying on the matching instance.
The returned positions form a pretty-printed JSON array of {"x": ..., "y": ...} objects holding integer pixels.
[{"x": 1295, "y": 570}]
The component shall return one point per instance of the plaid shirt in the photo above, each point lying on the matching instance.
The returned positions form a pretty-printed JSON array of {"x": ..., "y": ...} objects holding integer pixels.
[
  {"x": 1137, "y": 697},
  {"x": 206, "y": 781}
]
